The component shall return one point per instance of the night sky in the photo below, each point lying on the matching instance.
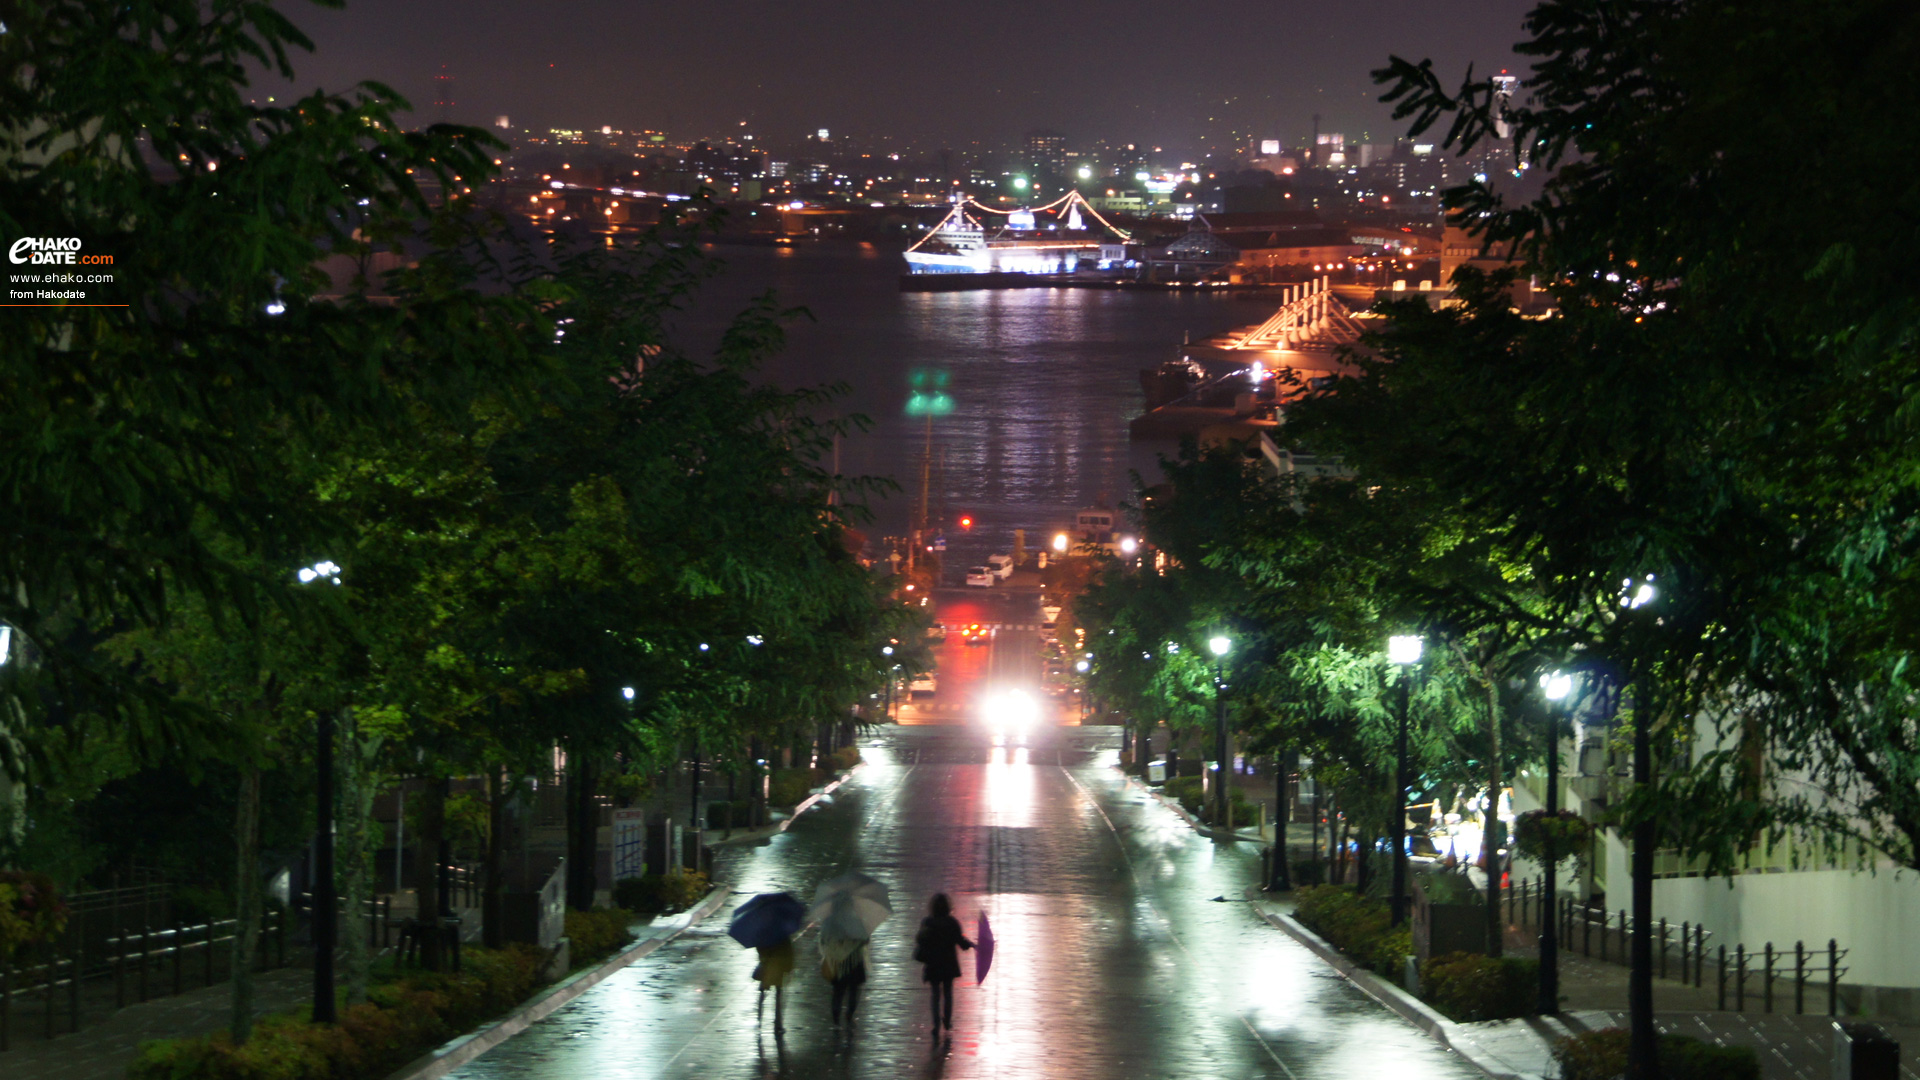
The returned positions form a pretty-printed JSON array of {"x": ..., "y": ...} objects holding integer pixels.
[{"x": 928, "y": 75}]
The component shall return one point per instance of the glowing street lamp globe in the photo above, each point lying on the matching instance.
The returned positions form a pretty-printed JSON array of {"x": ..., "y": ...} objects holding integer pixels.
[
  {"x": 1219, "y": 644},
  {"x": 1404, "y": 648}
]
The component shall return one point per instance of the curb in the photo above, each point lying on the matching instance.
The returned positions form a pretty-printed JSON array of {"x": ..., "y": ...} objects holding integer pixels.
[
  {"x": 808, "y": 802},
  {"x": 747, "y": 836},
  {"x": 1193, "y": 823},
  {"x": 449, "y": 1056},
  {"x": 1405, "y": 1005}
]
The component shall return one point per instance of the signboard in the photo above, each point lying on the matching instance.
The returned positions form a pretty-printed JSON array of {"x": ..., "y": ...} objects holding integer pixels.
[
  {"x": 629, "y": 844},
  {"x": 939, "y": 543}
]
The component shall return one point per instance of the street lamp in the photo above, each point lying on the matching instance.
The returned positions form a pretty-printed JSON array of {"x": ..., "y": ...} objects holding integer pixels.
[
  {"x": 887, "y": 651},
  {"x": 1404, "y": 651},
  {"x": 1554, "y": 686},
  {"x": 324, "y": 899},
  {"x": 1220, "y": 645}
]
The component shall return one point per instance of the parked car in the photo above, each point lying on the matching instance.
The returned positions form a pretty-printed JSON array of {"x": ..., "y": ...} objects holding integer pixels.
[
  {"x": 936, "y": 633},
  {"x": 982, "y": 576},
  {"x": 1001, "y": 565},
  {"x": 923, "y": 686}
]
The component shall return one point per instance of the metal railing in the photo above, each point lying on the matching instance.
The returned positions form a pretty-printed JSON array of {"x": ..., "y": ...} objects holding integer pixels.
[
  {"x": 147, "y": 964},
  {"x": 1596, "y": 931}
]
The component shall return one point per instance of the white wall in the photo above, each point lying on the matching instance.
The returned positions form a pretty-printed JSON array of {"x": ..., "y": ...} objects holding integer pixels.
[{"x": 1875, "y": 916}]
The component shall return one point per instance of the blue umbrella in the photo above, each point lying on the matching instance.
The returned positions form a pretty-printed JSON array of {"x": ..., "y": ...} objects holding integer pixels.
[{"x": 767, "y": 920}]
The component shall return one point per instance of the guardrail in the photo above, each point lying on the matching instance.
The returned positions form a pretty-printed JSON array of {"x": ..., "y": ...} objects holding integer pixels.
[
  {"x": 151, "y": 963},
  {"x": 1580, "y": 926}
]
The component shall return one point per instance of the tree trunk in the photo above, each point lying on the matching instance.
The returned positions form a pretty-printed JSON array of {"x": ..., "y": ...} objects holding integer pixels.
[
  {"x": 355, "y": 814},
  {"x": 492, "y": 933},
  {"x": 426, "y": 861},
  {"x": 583, "y": 833},
  {"x": 1495, "y": 837},
  {"x": 246, "y": 902}
]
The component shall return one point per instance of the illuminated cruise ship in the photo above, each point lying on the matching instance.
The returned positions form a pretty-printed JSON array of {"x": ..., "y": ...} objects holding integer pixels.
[{"x": 962, "y": 244}]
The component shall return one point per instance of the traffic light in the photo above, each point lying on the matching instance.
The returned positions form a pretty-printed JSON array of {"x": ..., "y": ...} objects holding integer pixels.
[{"x": 966, "y": 521}]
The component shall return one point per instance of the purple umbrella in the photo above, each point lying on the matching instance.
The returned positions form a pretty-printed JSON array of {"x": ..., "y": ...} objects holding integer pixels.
[{"x": 982, "y": 949}]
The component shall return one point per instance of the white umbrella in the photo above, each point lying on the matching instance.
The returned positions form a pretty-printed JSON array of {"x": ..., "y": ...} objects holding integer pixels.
[{"x": 850, "y": 907}]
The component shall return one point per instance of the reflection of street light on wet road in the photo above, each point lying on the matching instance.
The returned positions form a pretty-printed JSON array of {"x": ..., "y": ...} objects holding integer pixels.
[{"x": 1404, "y": 651}]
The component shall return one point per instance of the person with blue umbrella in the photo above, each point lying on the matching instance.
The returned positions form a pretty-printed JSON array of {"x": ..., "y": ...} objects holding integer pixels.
[{"x": 767, "y": 922}]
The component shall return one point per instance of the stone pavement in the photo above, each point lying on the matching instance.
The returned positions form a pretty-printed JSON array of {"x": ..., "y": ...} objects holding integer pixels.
[{"x": 1124, "y": 947}]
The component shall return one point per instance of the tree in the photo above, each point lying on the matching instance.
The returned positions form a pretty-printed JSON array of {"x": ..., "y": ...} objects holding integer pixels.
[{"x": 1721, "y": 334}]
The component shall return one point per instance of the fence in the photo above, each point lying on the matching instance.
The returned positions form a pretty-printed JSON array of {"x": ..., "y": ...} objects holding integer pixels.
[
  {"x": 377, "y": 910},
  {"x": 1579, "y": 925},
  {"x": 150, "y": 963}
]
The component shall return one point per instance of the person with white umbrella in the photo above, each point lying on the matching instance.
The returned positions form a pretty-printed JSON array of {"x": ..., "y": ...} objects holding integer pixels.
[{"x": 848, "y": 909}]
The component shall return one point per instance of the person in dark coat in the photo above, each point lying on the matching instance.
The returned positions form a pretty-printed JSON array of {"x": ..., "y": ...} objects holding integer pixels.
[{"x": 937, "y": 947}]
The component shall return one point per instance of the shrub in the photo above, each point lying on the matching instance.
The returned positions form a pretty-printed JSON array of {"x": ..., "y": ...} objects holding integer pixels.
[
  {"x": 655, "y": 894},
  {"x": 1682, "y": 1058},
  {"x": 406, "y": 1014},
  {"x": 788, "y": 787},
  {"x": 1602, "y": 1055},
  {"x": 629, "y": 893},
  {"x": 599, "y": 932},
  {"x": 1184, "y": 790},
  {"x": 1356, "y": 925},
  {"x": 1592, "y": 1055},
  {"x": 843, "y": 759},
  {"x": 737, "y": 814},
  {"x": 1309, "y": 872},
  {"x": 1469, "y": 987}
]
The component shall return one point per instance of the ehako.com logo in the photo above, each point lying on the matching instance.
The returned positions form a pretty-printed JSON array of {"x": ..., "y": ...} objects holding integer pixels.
[{"x": 53, "y": 251}]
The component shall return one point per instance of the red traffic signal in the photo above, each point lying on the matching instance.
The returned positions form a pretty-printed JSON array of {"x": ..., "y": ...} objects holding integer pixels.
[{"x": 966, "y": 521}]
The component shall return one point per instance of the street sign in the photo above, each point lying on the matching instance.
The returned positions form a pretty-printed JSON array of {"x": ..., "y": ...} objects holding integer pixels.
[{"x": 629, "y": 844}]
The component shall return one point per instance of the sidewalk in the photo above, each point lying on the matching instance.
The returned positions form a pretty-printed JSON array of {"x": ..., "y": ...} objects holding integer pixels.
[
  {"x": 1594, "y": 995},
  {"x": 103, "y": 1051}
]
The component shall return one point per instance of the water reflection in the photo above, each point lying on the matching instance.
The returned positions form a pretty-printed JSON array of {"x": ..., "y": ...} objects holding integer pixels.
[{"x": 1042, "y": 381}]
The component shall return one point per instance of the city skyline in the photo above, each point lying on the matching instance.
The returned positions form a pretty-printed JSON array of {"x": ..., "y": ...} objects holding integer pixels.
[{"x": 915, "y": 76}]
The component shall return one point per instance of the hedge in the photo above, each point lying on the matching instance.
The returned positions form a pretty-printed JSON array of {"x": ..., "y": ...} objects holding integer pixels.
[
  {"x": 1357, "y": 925},
  {"x": 1469, "y": 986},
  {"x": 1602, "y": 1055},
  {"x": 598, "y": 933},
  {"x": 406, "y": 1014},
  {"x": 656, "y": 894},
  {"x": 1187, "y": 791}
]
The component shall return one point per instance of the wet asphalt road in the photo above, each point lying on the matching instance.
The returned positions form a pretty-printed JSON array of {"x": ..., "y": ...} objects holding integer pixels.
[{"x": 1114, "y": 959}]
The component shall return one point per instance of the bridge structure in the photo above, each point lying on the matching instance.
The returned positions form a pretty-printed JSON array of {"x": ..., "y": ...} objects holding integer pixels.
[{"x": 1310, "y": 317}]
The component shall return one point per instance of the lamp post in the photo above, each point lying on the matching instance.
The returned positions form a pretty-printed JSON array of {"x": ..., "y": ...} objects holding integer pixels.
[
  {"x": 324, "y": 898},
  {"x": 1404, "y": 651},
  {"x": 1643, "y": 1048},
  {"x": 1554, "y": 687},
  {"x": 1221, "y": 645},
  {"x": 887, "y": 651}
]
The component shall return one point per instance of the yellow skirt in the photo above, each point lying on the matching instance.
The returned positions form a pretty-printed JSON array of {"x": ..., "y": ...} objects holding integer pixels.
[{"x": 776, "y": 963}]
